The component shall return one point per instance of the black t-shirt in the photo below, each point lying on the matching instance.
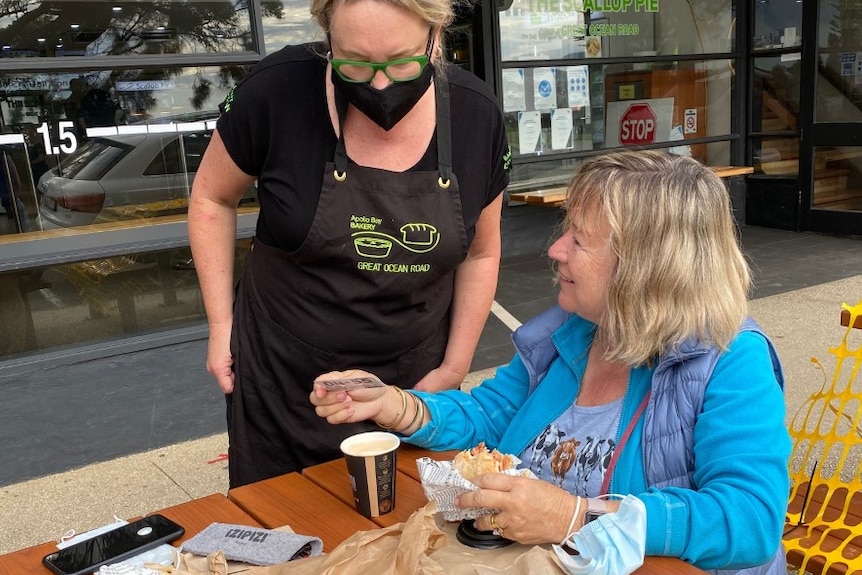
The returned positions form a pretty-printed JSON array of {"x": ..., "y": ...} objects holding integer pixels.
[{"x": 275, "y": 125}]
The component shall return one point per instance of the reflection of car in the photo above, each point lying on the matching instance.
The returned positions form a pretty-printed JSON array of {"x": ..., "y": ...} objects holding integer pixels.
[{"x": 123, "y": 177}]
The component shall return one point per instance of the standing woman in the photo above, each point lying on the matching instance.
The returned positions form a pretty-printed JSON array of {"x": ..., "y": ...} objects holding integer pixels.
[{"x": 380, "y": 173}]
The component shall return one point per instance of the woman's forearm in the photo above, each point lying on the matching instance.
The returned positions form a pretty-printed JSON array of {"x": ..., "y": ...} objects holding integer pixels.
[
  {"x": 218, "y": 187},
  {"x": 212, "y": 236},
  {"x": 475, "y": 286}
]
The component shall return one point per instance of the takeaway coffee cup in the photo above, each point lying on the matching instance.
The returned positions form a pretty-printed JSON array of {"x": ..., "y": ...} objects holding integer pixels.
[{"x": 370, "y": 460}]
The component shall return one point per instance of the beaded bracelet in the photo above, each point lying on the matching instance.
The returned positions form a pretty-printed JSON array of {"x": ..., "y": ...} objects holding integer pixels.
[{"x": 399, "y": 415}]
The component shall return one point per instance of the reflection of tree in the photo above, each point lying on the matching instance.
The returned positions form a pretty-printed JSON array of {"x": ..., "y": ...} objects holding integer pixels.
[
  {"x": 227, "y": 77},
  {"x": 693, "y": 27},
  {"x": 202, "y": 86},
  {"x": 845, "y": 36},
  {"x": 99, "y": 28},
  {"x": 162, "y": 27}
]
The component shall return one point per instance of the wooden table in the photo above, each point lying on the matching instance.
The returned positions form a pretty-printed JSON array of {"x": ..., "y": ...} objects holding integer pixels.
[
  {"x": 554, "y": 197},
  {"x": 317, "y": 502},
  {"x": 194, "y": 516},
  {"x": 307, "y": 508},
  {"x": 267, "y": 502}
]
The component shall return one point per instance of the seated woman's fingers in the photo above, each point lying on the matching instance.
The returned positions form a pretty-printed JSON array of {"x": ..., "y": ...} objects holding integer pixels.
[
  {"x": 320, "y": 396},
  {"x": 482, "y": 498},
  {"x": 342, "y": 375},
  {"x": 530, "y": 510}
]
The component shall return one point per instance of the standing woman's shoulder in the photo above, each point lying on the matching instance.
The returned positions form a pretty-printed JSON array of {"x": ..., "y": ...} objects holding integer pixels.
[
  {"x": 288, "y": 66},
  {"x": 285, "y": 87},
  {"x": 463, "y": 83}
]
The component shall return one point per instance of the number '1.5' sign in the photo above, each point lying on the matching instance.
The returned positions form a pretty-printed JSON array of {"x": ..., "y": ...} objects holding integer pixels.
[{"x": 68, "y": 140}]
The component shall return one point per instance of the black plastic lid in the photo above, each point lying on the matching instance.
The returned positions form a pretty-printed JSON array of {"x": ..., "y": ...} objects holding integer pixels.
[{"x": 468, "y": 535}]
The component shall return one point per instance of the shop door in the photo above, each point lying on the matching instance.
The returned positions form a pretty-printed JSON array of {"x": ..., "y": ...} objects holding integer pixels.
[
  {"x": 831, "y": 145},
  {"x": 464, "y": 40}
]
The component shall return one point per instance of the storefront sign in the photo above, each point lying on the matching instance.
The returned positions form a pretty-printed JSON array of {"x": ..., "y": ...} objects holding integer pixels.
[
  {"x": 592, "y": 5},
  {"x": 552, "y": 29},
  {"x": 621, "y": 5},
  {"x": 144, "y": 85},
  {"x": 35, "y": 83}
]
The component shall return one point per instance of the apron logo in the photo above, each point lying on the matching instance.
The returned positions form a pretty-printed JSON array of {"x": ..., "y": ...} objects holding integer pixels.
[
  {"x": 415, "y": 238},
  {"x": 228, "y": 101}
]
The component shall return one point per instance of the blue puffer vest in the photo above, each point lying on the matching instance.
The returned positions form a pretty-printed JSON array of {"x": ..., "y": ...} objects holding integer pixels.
[{"x": 678, "y": 386}]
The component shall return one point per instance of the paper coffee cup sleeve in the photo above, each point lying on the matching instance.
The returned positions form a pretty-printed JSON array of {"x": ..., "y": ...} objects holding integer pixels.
[{"x": 443, "y": 484}]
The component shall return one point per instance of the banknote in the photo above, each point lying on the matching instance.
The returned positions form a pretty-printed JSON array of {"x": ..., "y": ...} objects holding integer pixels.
[{"x": 348, "y": 383}]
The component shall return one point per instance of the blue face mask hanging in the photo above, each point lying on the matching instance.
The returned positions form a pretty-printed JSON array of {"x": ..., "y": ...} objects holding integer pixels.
[{"x": 613, "y": 544}]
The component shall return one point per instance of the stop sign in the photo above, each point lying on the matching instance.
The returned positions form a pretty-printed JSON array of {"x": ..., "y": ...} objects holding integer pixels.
[{"x": 637, "y": 125}]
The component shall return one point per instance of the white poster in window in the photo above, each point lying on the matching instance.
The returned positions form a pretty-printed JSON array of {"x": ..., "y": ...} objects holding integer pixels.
[
  {"x": 561, "y": 129},
  {"x": 578, "y": 82},
  {"x": 638, "y": 122},
  {"x": 544, "y": 88},
  {"x": 529, "y": 132},
  {"x": 514, "y": 98},
  {"x": 676, "y": 136},
  {"x": 848, "y": 63}
]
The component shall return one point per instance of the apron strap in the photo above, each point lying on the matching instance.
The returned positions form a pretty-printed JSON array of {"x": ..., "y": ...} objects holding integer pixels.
[
  {"x": 444, "y": 132},
  {"x": 444, "y": 128},
  {"x": 340, "y": 150}
]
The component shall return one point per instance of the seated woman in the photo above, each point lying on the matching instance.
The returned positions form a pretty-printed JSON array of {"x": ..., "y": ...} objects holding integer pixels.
[{"x": 646, "y": 400}]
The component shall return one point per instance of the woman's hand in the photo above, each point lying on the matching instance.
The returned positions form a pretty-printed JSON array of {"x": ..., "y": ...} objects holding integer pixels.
[
  {"x": 219, "y": 358},
  {"x": 349, "y": 406},
  {"x": 532, "y": 511}
]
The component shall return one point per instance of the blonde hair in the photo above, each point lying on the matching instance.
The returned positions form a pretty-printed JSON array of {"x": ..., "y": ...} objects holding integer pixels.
[
  {"x": 680, "y": 272},
  {"x": 436, "y": 13}
]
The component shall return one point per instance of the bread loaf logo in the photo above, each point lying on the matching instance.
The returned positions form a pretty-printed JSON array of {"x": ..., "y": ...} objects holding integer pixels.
[{"x": 417, "y": 238}]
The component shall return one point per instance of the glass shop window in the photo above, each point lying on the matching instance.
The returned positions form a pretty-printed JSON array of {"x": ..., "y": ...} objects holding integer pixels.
[{"x": 95, "y": 29}]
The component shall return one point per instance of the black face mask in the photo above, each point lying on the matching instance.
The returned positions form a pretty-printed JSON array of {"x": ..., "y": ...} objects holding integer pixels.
[{"x": 388, "y": 106}]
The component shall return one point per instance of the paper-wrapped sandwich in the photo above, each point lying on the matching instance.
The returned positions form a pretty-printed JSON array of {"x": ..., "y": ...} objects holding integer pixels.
[
  {"x": 475, "y": 461},
  {"x": 444, "y": 481}
]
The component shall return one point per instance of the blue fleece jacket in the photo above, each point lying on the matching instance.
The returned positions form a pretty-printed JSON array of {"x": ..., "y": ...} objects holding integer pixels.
[{"x": 731, "y": 518}]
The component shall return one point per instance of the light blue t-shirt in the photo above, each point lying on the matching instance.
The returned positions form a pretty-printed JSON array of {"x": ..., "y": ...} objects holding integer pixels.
[{"x": 573, "y": 452}]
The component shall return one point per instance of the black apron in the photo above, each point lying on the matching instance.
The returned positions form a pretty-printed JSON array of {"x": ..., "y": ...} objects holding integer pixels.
[{"x": 370, "y": 288}]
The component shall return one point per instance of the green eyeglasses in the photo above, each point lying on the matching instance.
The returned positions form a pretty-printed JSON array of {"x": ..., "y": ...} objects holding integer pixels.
[{"x": 399, "y": 70}]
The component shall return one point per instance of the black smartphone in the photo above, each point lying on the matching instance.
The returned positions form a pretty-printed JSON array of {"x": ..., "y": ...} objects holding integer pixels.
[{"x": 113, "y": 546}]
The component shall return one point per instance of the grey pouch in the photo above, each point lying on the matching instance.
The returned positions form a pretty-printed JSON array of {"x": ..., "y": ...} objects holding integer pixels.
[{"x": 253, "y": 545}]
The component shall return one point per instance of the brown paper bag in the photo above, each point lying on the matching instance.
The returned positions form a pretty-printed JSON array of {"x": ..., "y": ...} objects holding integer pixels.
[{"x": 423, "y": 545}]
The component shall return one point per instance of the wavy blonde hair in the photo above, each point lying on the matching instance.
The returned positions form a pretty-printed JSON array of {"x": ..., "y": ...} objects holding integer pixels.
[
  {"x": 680, "y": 272},
  {"x": 437, "y": 13}
]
